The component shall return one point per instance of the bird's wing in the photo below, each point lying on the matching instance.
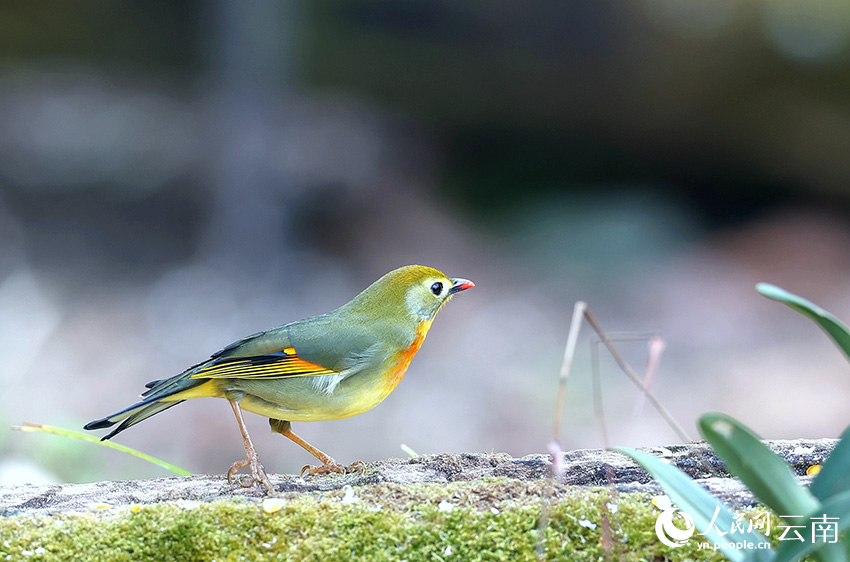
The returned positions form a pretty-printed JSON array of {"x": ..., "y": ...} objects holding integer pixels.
[
  {"x": 300, "y": 349},
  {"x": 281, "y": 364},
  {"x": 261, "y": 343}
]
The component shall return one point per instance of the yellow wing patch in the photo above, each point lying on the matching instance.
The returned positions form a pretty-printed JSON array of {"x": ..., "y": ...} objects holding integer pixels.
[{"x": 283, "y": 364}]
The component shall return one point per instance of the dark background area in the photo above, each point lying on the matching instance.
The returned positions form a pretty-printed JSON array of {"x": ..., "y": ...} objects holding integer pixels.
[{"x": 174, "y": 176}]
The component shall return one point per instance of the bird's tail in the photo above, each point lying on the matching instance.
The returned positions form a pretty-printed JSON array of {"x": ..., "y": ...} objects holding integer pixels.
[
  {"x": 161, "y": 395},
  {"x": 130, "y": 416}
]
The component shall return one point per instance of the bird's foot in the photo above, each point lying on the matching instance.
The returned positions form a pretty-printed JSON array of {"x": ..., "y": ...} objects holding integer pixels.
[
  {"x": 257, "y": 476},
  {"x": 334, "y": 467}
]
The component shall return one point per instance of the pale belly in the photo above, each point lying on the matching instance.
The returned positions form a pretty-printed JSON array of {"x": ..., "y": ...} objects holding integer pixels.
[{"x": 303, "y": 399}]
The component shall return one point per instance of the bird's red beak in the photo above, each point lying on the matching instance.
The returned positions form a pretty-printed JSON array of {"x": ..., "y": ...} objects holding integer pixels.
[{"x": 459, "y": 285}]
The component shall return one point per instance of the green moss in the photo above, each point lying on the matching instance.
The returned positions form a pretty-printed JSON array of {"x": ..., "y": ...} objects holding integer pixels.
[{"x": 493, "y": 520}]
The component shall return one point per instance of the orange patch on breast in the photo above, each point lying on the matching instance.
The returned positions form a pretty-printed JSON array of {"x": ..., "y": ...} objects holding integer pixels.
[{"x": 404, "y": 357}]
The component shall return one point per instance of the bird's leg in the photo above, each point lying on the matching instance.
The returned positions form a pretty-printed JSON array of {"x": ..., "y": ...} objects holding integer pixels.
[
  {"x": 328, "y": 464},
  {"x": 258, "y": 473}
]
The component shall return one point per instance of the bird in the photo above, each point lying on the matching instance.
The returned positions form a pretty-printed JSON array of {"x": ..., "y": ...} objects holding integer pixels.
[{"x": 332, "y": 366}]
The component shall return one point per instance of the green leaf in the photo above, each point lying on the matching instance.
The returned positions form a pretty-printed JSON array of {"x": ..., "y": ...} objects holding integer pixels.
[
  {"x": 766, "y": 475},
  {"x": 694, "y": 500},
  {"x": 837, "y": 507},
  {"x": 831, "y": 325},
  {"x": 834, "y": 477},
  {"x": 40, "y": 428}
]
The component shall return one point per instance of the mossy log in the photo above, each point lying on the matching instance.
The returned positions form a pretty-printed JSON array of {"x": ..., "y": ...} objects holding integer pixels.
[{"x": 435, "y": 507}]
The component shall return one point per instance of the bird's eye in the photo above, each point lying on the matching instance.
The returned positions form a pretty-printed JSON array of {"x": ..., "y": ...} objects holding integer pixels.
[{"x": 437, "y": 288}]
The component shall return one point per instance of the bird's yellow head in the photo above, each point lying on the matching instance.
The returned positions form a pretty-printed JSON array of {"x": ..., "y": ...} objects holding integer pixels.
[{"x": 416, "y": 289}]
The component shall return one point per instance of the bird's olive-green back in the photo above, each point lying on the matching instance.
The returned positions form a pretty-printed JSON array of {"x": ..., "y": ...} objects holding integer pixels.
[{"x": 380, "y": 321}]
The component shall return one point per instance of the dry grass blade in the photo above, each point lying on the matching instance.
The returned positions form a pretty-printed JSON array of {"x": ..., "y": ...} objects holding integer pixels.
[
  {"x": 569, "y": 353},
  {"x": 665, "y": 413}
]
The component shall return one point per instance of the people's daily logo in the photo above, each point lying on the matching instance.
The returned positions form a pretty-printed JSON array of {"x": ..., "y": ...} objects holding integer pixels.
[
  {"x": 739, "y": 536},
  {"x": 667, "y": 531}
]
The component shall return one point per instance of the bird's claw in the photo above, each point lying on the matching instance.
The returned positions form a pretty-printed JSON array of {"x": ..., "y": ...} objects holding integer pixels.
[
  {"x": 334, "y": 467},
  {"x": 257, "y": 476}
]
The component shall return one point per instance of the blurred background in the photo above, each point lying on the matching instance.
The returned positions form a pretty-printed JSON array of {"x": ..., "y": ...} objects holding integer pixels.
[{"x": 174, "y": 176}]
